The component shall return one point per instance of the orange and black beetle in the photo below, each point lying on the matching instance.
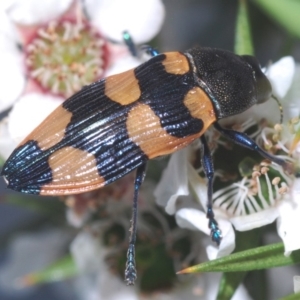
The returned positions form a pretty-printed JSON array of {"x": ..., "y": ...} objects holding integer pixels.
[{"x": 117, "y": 124}]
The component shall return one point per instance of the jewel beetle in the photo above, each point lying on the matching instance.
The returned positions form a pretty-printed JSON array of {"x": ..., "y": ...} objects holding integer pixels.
[{"x": 117, "y": 124}]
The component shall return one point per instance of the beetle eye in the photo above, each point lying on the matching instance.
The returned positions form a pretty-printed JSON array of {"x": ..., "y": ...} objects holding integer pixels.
[
  {"x": 263, "y": 88},
  {"x": 262, "y": 83}
]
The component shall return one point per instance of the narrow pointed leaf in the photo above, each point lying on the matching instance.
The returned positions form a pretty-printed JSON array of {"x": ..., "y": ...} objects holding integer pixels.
[
  {"x": 63, "y": 269},
  {"x": 254, "y": 259},
  {"x": 243, "y": 39}
]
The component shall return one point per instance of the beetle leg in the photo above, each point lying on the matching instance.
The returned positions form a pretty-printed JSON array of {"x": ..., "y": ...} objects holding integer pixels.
[
  {"x": 208, "y": 168},
  {"x": 133, "y": 49},
  {"x": 150, "y": 50},
  {"x": 130, "y": 43},
  {"x": 130, "y": 271},
  {"x": 242, "y": 139}
]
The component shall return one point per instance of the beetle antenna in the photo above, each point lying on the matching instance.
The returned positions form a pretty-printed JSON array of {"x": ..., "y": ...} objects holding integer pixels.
[
  {"x": 134, "y": 50},
  {"x": 280, "y": 108},
  {"x": 130, "y": 43}
]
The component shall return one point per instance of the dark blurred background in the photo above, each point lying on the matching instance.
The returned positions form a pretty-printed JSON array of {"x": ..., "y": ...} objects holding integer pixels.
[{"x": 212, "y": 23}]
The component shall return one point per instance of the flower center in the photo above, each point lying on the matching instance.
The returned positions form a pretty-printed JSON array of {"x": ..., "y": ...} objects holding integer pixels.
[
  {"x": 64, "y": 56},
  {"x": 261, "y": 190}
]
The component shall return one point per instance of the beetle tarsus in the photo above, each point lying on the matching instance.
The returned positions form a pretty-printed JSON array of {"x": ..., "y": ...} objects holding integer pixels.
[
  {"x": 215, "y": 232},
  {"x": 130, "y": 271}
]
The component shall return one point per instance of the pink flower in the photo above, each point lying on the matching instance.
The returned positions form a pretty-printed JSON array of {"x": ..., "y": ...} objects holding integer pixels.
[{"x": 50, "y": 49}]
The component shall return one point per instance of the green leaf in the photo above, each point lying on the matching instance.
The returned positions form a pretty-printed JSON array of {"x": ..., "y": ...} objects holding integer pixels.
[
  {"x": 254, "y": 259},
  {"x": 229, "y": 283},
  {"x": 231, "y": 280},
  {"x": 243, "y": 40},
  {"x": 62, "y": 269},
  {"x": 284, "y": 12},
  {"x": 291, "y": 297}
]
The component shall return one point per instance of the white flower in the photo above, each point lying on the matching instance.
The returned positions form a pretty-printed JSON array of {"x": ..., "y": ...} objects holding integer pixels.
[
  {"x": 97, "y": 282},
  {"x": 296, "y": 284},
  {"x": 244, "y": 204},
  {"x": 50, "y": 49}
]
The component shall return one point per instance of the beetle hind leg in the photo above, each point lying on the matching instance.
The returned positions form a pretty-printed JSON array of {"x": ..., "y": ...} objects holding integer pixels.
[
  {"x": 130, "y": 271},
  {"x": 208, "y": 168}
]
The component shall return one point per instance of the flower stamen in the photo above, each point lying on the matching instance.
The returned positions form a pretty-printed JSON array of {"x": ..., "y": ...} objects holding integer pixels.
[
  {"x": 253, "y": 193},
  {"x": 65, "y": 55}
]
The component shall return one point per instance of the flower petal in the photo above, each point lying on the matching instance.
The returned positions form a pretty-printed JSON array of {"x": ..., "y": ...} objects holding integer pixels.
[
  {"x": 173, "y": 182},
  {"x": 31, "y": 12},
  {"x": 142, "y": 19},
  {"x": 12, "y": 78},
  {"x": 198, "y": 184},
  {"x": 281, "y": 75},
  {"x": 289, "y": 222},
  {"x": 9, "y": 36},
  {"x": 195, "y": 219},
  {"x": 288, "y": 227},
  {"x": 7, "y": 144},
  {"x": 296, "y": 280},
  {"x": 291, "y": 101},
  {"x": 122, "y": 65},
  {"x": 255, "y": 220},
  {"x": 29, "y": 112}
]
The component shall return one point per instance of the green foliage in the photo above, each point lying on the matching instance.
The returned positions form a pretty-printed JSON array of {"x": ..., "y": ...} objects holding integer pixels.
[
  {"x": 62, "y": 269},
  {"x": 284, "y": 12},
  {"x": 265, "y": 257},
  {"x": 243, "y": 40}
]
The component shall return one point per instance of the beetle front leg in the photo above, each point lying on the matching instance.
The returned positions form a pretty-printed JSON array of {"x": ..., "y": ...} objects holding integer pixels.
[{"x": 208, "y": 168}]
